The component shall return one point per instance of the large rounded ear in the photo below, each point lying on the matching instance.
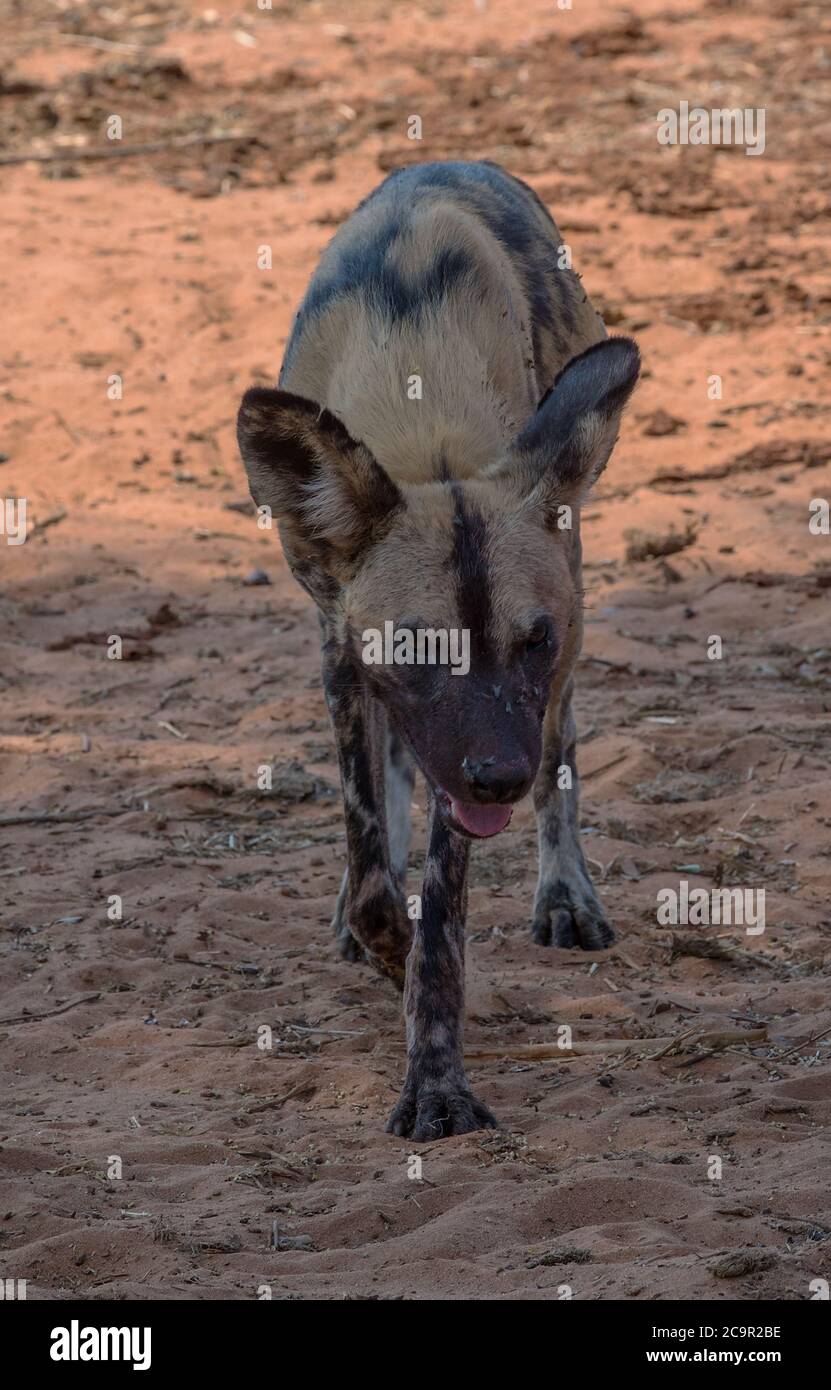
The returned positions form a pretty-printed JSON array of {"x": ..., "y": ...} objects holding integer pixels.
[
  {"x": 566, "y": 444},
  {"x": 331, "y": 498}
]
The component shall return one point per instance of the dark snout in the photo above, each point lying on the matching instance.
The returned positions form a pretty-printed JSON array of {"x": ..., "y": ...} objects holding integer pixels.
[
  {"x": 479, "y": 801},
  {"x": 482, "y": 756},
  {"x": 497, "y": 781}
]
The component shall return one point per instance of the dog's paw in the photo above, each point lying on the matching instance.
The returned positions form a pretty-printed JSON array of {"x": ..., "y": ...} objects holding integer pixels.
[
  {"x": 375, "y": 929},
  {"x": 349, "y": 947},
  {"x": 437, "y": 1111},
  {"x": 570, "y": 915},
  {"x": 392, "y": 968}
]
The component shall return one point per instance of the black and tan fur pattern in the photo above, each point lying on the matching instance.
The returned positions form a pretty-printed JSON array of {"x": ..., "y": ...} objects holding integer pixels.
[{"x": 445, "y": 512}]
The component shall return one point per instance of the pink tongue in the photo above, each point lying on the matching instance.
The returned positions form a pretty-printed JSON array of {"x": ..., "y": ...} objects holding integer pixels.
[{"x": 480, "y": 820}]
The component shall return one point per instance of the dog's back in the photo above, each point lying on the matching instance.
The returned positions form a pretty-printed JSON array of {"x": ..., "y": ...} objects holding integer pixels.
[{"x": 438, "y": 316}]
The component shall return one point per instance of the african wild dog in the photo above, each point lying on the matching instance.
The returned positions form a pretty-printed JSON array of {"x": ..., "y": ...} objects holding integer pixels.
[{"x": 445, "y": 512}]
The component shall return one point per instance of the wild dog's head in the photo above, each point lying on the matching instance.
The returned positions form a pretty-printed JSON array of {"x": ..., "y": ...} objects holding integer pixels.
[{"x": 496, "y": 558}]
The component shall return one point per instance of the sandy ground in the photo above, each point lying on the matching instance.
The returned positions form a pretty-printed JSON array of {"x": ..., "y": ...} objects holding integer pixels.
[{"x": 137, "y": 1038}]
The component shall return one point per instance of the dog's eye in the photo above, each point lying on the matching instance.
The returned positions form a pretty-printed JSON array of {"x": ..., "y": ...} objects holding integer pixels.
[{"x": 538, "y": 636}]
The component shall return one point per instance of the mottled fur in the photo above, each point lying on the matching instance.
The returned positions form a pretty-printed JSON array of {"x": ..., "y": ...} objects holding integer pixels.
[{"x": 446, "y": 512}]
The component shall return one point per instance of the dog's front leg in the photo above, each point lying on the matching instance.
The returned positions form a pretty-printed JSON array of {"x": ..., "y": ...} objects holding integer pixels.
[
  {"x": 567, "y": 911},
  {"x": 399, "y": 777},
  {"x": 371, "y": 908},
  {"x": 436, "y": 1100}
]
